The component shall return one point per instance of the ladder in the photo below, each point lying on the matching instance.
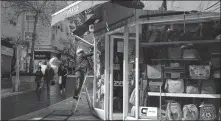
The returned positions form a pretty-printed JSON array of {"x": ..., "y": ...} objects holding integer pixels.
[{"x": 84, "y": 87}]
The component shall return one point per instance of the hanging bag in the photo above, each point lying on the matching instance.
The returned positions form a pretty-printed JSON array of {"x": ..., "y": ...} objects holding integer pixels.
[
  {"x": 190, "y": 112},
  {"x": 154, "y": 71},
  {"x": 207, "y": 112},
  {"x": 173, "y": 111},
  {"x": 132, "y": 97}
]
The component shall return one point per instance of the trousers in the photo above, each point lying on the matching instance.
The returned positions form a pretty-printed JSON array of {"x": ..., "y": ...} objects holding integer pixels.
[
  {"x": 79, "y": 81},
  {"x": 63, "y": 83}
]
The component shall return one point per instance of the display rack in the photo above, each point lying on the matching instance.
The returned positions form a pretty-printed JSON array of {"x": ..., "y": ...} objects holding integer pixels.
[
  {"x": 148, "y": 44},
  {"x": 184, "y": 69}
]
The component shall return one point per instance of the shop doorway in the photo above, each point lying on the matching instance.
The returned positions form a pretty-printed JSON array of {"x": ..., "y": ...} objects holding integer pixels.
[{"x": 116, "y": 78}]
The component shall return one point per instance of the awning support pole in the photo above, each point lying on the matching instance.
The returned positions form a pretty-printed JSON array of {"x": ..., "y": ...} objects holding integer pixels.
[{"x": 83, "y": 40}]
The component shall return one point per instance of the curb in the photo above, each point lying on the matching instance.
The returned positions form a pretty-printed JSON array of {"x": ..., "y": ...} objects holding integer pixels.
[
  {"x": 15, "y": 93},
  {"x": 48, "y": 109}
]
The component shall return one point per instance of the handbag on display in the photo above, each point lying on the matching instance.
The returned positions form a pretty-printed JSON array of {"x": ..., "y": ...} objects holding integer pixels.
[
  {"x": 192, "y": 88},
  {"x": 215, "y": 61},
  {"x": 162, "y": 113},
  {"x": 190, "y": 112},
  {"x": 174, "y": 85},
  {"x": 190, "y": 54},
  {"x": 154, "y": 71},
  {"x": 154, "y": 86},
  {"x": 216, "y": 74},
  {"x": 208, "y": 87},
  {"x": 207, "y": 112},
  {"x": 173, "y": 111},
  {"x": 154, "y": 36},
  {"x": 218, "y": 37},
  {"x": 199, "y": 71},
  {"x": 132, "y": 98},
  {"x": 174, "y": 53},
  {"x": 133, "y": 111}
]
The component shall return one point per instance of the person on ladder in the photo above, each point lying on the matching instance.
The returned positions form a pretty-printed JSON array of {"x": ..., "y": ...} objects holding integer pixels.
[{"x": 82, "y": 66}]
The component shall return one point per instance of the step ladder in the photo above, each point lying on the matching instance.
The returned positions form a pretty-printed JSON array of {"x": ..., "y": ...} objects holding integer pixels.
[{"x": 84, "y": 87}]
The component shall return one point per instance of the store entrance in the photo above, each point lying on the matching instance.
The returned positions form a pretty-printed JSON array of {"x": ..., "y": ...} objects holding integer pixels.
[{"x": 116, "y": 77}]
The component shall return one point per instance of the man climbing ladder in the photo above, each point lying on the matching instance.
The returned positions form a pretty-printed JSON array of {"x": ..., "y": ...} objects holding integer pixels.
[{"x": 83, "y": 65}]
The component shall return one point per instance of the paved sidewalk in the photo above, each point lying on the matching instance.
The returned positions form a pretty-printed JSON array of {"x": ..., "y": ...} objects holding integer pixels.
[
  {"x": 8, "y": 92},
  {"x": 54, "y": 112}
]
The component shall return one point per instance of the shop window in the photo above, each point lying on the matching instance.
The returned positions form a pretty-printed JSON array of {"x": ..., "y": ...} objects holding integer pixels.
[
  {"x": 99, "y": 98},
  {"x": 183, "y": 61}
]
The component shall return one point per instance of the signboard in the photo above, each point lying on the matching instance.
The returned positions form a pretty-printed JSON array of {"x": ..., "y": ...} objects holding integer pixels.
[
  {"x": 42, "y": 55},
  {"x": 148, "y": 113},
  {"x": 6, "y": 51}
]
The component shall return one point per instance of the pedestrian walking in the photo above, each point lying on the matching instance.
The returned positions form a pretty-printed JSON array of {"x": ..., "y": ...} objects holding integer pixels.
[
  {"x": 82, "y": 66},
  {"x": 62, "y": 72},
  {"x": 49, "y": 76},
  {"x": 38, "y": 78}
]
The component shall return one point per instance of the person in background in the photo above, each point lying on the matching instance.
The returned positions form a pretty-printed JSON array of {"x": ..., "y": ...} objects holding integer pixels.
[
  {"x": 38, "y": 77},
  {"x": 64, "y": 77},
  {"x": 62, "y": 73},
  {"x": 49, "y": 76},
  {"x": 82, "y": 66}
]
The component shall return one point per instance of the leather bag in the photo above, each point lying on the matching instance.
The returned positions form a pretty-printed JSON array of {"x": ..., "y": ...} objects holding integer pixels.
[
  {"x": 174, "y": 53},
  {"x": 207, "y": 112},
  {"x": 174, "y": 86},
  {"x": 216, "y": 74},
  {"x": 208, "y": 87},
  {"x": 190, "y": 112},
  {"x": 173, "y": 111},
  {"x": 154, "y": 71},
  {"x": 199, "y": 71},
  {"x": 190, "y": 53},
  {"x": 132, "y": 98}
]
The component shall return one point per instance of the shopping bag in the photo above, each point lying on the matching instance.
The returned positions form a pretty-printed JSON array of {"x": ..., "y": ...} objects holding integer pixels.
[
  {"x": 132, "y": 98},
  {"x": 59, "y": 79}
]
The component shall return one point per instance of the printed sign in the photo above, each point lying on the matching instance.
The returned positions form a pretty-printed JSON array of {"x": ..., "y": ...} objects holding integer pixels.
[
  {"x": 148, "y": 112},
  {"x": 6, "y": 51}
]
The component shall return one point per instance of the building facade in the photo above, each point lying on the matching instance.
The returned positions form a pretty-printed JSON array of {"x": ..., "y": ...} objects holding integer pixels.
[{"x": 47, "y": 44}]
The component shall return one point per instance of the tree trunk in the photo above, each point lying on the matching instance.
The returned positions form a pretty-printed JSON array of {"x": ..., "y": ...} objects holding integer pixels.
[{"x": 34, "y": 35}]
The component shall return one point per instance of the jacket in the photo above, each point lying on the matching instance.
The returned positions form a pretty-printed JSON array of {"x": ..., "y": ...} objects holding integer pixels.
[
  {"x": 82, "y": 63},
  {"x": 38, "y": 76},
  {"x": 49, "y": 74}
]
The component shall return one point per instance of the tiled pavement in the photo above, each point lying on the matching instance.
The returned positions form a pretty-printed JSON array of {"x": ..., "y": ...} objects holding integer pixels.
[{"x": 61, "y": 111}]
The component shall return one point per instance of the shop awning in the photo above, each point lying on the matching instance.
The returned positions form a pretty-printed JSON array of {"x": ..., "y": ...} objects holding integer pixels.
[
  {"x": 201, "y": 6},
  {"x": 176, "y": 5},
  {"x": 73, "y": 9}
]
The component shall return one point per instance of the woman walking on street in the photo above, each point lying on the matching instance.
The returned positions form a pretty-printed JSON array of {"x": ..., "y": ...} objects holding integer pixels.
[
  {"x": 38, "y": 77},
  {"x": 63, "y": 72}
]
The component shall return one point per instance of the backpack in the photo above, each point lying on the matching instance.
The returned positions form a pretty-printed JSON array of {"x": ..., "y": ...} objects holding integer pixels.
[
  {"x": 173, "y": 111},
  {"x": 190, "y": 112},
  {"x": 207, "y": 112}
]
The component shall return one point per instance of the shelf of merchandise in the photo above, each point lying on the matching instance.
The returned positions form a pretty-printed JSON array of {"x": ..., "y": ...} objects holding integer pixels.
[
  {"x": 175, "y": 60},
  {"x": 184, "y": 95},
  {"x": 146, "y": 44}
]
